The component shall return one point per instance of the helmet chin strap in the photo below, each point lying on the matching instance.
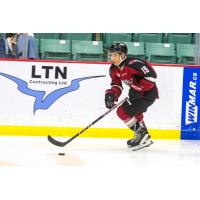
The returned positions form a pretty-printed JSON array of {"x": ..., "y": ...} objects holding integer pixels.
[{"x": 121, "y": 60}]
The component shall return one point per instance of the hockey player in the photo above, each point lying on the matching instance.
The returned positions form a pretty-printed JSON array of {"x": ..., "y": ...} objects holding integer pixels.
[{"x": 141, "y": 79}]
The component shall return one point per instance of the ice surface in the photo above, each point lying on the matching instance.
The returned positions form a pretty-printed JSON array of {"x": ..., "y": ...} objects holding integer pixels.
[
  {"x": 37, "y": 151},
  {"x": 30, "y": 168}
]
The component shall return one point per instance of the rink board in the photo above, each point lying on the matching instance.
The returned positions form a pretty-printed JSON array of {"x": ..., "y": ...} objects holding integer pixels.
[
  {"x": 190, "y": 122},
  {"x": 92, "y": 132},
  {"x": 61, "y": 98}
]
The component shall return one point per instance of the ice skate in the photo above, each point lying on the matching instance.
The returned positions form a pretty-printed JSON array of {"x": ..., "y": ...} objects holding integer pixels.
[{"x": 142, "y": 139}]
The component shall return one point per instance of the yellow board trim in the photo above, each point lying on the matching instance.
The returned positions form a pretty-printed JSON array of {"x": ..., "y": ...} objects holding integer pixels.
[{"x": 92, "y": 132}]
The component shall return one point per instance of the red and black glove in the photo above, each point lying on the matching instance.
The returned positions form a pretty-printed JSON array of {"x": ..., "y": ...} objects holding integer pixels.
[{"x": 109, "y": 99}]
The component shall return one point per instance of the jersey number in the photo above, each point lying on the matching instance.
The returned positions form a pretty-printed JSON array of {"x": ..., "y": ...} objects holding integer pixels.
[{"x": 145, "y": 70}]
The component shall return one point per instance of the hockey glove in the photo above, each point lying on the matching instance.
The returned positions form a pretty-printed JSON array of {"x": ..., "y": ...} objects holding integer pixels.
[{"x": 109, "y": 100}]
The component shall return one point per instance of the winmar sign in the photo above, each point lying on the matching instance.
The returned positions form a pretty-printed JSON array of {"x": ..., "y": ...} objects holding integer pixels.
[
  {"x": 190, "y": 119},
  {"x": 191, "y": 113}
]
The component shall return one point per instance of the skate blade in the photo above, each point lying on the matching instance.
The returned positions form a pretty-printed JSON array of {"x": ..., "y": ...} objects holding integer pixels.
[{"x": 141, "y": 146}]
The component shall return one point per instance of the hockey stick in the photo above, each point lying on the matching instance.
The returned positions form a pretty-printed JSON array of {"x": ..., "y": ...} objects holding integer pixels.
[{"x": 62, "y": 144}]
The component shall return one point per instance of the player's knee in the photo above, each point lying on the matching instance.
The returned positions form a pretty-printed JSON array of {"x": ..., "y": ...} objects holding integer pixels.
[
  {"x": 122, "y": 114},
  {"x": 139, "y": 117}
]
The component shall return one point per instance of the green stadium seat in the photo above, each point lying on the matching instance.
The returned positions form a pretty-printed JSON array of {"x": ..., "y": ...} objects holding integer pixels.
[
  {"x": 109, "y": 38},
  {"x": 136, "y": 49},
  {"x": 194, "y": 38},
  {"x": 38, "y": 47},
  {"x": 160, "y": 53},
  {"x": 148, "y": 37},
  {"x": 179, "y": 38},
  {"x": 55, "y": 49},
  {"x": 87, "y": 50},
  {"x": 79, "y": 36},
  {"x": 2, "y": 35},
  {"x": 185, "y": 53},
  {"x": 38, "y": 43},
  {"x": 55, "y": 36}
]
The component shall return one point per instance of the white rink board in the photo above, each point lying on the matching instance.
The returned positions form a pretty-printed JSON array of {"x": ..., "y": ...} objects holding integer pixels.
[{"x": 78, "y": 108}]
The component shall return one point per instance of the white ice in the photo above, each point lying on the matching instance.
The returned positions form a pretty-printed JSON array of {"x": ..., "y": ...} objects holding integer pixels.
[{"x": 98, "y": 169}]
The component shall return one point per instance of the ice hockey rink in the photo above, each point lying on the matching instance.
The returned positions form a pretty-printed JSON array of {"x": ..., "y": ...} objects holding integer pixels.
[
  {"x": 92, "y": 152},
  {"x": 30, "y": 168}
]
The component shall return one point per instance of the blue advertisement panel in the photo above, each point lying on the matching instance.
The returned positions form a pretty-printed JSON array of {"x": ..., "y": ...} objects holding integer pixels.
[{"x": 190, "y": 120}]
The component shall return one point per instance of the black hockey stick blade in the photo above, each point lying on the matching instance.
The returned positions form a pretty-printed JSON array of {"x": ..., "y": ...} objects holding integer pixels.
[{"x": 55, "y": 142}]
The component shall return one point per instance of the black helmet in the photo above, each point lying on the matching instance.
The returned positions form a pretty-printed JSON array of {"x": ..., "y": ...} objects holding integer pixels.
[{"x": 119, "y": 48}]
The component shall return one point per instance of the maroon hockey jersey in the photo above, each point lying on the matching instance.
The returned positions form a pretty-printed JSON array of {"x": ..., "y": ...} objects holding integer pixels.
[{"x": 136, "y": 73}]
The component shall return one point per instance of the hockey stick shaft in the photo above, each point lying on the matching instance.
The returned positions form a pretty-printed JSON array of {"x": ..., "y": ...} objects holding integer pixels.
[{"x": 61, "y": 144}]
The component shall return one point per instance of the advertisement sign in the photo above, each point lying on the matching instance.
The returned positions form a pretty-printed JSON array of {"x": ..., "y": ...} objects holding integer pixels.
[
  {"x": 190, "y": 123},
  {"x": 38, "y": 96}
]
